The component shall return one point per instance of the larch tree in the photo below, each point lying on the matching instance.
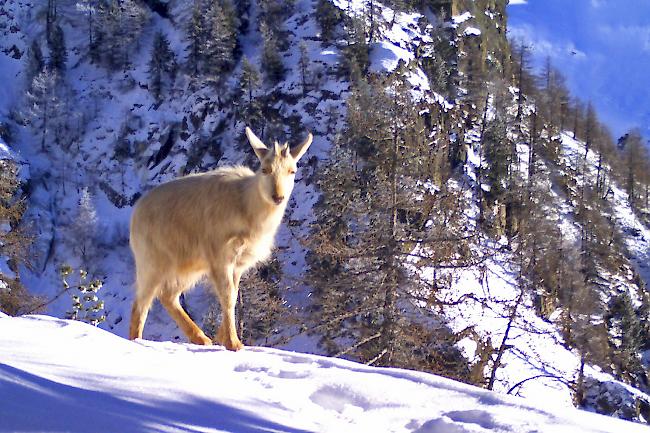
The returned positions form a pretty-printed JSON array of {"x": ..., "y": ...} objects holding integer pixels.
[
  {"x": 82, "y": 233},
  {"x": 379, "y": 229},
  {"x": 14, "y": 243}
]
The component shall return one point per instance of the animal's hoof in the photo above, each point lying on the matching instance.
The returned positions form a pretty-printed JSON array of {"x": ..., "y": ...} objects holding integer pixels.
[
  {"x": 234, "y": 346},
  {"x": 202, "y": 339}
]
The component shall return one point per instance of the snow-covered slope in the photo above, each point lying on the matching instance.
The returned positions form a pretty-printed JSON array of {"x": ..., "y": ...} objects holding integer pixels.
[{"x": 59, "y": 375}]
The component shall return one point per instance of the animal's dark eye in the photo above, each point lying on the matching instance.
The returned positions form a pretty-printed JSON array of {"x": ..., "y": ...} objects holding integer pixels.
[
  {"x": 266, "y": 170},
  {"x": 292, "y": 171}
]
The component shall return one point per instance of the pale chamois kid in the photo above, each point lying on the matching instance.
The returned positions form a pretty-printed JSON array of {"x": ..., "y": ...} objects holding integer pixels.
[{"x": 216, "y": 224}]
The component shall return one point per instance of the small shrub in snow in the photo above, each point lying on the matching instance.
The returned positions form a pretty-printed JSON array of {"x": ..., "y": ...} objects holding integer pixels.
[{"x": 86, "y": 305}]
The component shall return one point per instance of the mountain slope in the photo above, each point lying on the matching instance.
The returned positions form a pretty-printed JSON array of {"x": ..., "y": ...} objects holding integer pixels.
[{"x": 59, "y": 375}]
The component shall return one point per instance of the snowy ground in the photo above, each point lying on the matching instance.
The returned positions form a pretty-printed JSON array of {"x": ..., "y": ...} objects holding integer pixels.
[{"x": 58, "y": 375}]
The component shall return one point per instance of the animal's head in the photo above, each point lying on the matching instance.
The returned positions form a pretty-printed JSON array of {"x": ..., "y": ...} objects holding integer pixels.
[{"x": 278, "y": 166}]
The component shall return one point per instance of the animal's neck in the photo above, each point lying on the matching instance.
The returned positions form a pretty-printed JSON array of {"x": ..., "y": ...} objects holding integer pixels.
[{"x": 266, "y": 215}]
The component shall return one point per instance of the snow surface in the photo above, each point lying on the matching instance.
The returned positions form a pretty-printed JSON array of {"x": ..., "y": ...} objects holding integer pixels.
[
  {"x": 61, "y": 375},
  {"x": 471, "y": 31},
  {"x": 459, "y": 19}
]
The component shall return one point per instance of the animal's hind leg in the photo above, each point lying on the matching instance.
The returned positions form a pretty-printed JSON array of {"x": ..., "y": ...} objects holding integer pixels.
[
  {"x": 147, "y": 287},
  {"x": 170, "y": 300}
]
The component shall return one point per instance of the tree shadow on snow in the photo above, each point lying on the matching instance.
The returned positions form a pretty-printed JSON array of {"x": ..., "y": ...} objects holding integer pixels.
[{"x": 32, "y": 403}]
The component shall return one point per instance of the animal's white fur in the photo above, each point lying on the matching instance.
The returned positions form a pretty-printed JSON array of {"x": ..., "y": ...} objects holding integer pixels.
[{"x": 218, "y": 224}]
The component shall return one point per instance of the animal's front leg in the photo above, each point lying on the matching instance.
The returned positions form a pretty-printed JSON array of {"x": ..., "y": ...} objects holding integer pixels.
[{"x": 226, "y": 288}]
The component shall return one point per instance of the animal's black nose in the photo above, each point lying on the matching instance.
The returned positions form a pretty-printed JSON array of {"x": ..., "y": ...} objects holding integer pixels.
[{"x": 278, "y": 199}]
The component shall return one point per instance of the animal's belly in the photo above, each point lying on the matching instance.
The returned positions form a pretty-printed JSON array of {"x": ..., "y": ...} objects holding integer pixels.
[{"x": 197, "y": 265}]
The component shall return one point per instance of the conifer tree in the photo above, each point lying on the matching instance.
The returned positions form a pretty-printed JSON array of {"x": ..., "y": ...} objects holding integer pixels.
[
  {"x": 119, "y": 23},
  {"x": 357, "y": 49},
  {"x": 591, "y": 126},
  {"x": 196, "y": 37},
  {"x": 250, "y": 79},
  {"x": 626, "y": 326},
  {"x": 271, "y": 59},
  {"x": 83, "y": 231},
  {"x": 274, "y": 13},
  {"x": 303, "y": 64},
  {"x": 44, "y": 105},
  {"x": 58, "y": 54},
  {"x": 50, "y": 18},
  {"x": 35, "y": 63},
  {"x": 220, "y": 40},
  {"x": 231, "y": 12},
  {"x": 328, "y": 17},
  {"x": 261, "y": 312},
  {"x": 89, "y": 7},
  {"x": 162, "y": 66},
  {"x": 578, "y": 113},
  {"x": 523, "y": 53},
  {"x": 634, "y": 154},
  {"x": 373, "y": 15}
]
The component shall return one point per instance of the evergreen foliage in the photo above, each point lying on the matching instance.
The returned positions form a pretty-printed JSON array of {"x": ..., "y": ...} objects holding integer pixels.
[
  {"x": 118, "y": 25},
  {"x": 196, "y": 38},
  {"x": 357, "y": 51},
  {"x": 271, "y": 59},
  {"x": 34, "y": 63},
  {"x": 303, "y": 64},
  {"x": 220, "y": 40},
  {"x": 58, "y": 54},
  {"x": 251, "y": 107},
  {"x": 212, "y": 38},
  {"x": 250, "y": 79},
  {"x": 329, "y": 17},
  {"x": 162, "y": 67}
]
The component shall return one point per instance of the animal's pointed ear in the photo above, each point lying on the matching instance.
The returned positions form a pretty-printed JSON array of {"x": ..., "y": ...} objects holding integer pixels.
[
  {"x": 260, "y": 149},
  {"x": 300, "y": 150}
]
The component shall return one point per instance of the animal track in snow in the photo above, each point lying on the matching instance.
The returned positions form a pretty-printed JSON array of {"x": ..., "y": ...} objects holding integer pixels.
[
  {"x": 272, "y": 372},
  {"x": 440, "y": 425},
  {"x": 339, "y": 398},
  {"x": 479, "y": 417},
  {"x": 458, "y": 421}
]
